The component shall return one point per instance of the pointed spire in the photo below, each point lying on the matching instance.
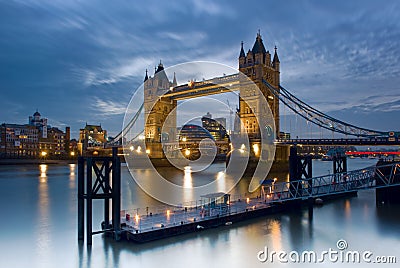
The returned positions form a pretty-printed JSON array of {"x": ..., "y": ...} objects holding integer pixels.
[
  {"x": 174, "y": 83},
  {"x": 258, "y": 45},
  {"x": 146, "y": 76},
  {"x": 242, "y": 55},
  {"x": 160, "y": 67},
  {"x": 276, "y": 58}
]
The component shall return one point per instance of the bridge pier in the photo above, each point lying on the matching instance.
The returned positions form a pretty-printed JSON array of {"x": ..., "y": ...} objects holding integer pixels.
[
  {"x": 388, "y": 195},
  {"x": 106, "y": 186},
  {"x": 339, "y": 165},
  {"x": 300, "y": 168}
]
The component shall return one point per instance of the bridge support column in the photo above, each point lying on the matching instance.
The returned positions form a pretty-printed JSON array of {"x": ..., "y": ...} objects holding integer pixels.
[
  {"x": 388, "y": 195},
  {"x": 99, "y": 188},
  {"x": 300, "y": 168},
  {"x": 339, "y": 164}
]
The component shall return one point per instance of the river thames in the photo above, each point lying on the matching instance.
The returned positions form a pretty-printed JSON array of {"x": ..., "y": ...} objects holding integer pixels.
[{"x": 39, "y": 225}]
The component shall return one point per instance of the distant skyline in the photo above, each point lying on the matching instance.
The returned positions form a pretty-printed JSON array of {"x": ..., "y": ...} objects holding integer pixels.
[{"x": 81, "y": 61}]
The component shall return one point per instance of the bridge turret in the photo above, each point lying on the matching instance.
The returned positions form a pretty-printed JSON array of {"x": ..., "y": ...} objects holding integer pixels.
[
  {"x": 174, "y": 83},
  {"x": 146, "y": 77},
  {"x": 259, "y": 50},
  {"x": 242, "y": 57},
  {"x": 275, "y": 61}
]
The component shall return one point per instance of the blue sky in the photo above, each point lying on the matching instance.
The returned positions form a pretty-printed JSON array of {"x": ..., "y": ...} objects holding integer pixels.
[{"x": 80, "y": 61}]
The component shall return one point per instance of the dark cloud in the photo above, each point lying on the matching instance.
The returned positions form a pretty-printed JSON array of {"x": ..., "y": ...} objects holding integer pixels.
[{"x": 73, "y": 59}]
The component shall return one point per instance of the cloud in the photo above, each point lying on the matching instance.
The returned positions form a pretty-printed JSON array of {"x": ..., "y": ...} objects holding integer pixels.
[
  {"x": 335, "y": 56},
  {"x": 108, "y": 107}
]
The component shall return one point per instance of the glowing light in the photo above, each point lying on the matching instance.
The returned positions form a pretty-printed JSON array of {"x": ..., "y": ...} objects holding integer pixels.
[
  {"x": 168, "y": 212},
  {"x": 131, "y": 148},
  {"x": 248, "y": 200},
  {"x": 275, "y": 179},
  {"x": 141, "y": 137},
  {"x": 184, "y": 139},
  {"x": 43, "y": 153},
  {"x": 139, "y": 149},
  {"x": 241, "y": 151},
  {"x": 43, "y": 171},
  {"x": 147, "y": 151},
  {"x": 187, "y": 169},
  {"x": 256, "y": 148},
  {"x": 95, "y": 153},
  {"x": 72, "y": 153},
  {"x": 187, "y": 152},
  {"x": 137, "y": 217},
  {"x": 243, "y": 147}
]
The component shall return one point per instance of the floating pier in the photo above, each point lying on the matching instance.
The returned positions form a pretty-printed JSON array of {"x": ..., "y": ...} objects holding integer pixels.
[{"x": 218, "y": 209}]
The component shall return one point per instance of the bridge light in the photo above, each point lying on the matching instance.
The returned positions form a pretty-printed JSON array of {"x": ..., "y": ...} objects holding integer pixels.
[
  {"x": 131, "y": 148},
  {"x": 139, "y": 149},
  {"x": 248, "y": 200},
  {"x": 147, "y": 151},
  {"x": 184, "y": 139},
  {"x": 256, "y": 149},
  {"x": 43, "y": 153},
  {"x": 187, "y": 152},
  {"x": 72, "y": 153},
  {"x": 243, "y": 147},
  {"x": 270, "y": 97}
]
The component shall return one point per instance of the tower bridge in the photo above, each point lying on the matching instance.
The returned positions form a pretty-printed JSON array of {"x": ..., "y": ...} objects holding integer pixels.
[{"x": 161, "y": 98}]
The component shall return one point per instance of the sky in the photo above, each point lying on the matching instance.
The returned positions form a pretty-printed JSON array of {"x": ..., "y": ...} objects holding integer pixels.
[{"x": 81, "y": 61}]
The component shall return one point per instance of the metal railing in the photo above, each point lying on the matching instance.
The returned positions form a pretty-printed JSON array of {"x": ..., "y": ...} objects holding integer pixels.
[{"x": 367, "y": 178}]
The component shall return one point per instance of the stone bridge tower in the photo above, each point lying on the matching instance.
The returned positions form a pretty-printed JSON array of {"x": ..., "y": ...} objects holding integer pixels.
[
  {"x": 258, "y": 66},
  {"x": 156, "y": 110}
]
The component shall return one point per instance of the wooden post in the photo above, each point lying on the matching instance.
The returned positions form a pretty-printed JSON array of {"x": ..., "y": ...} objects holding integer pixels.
[
  {"x": 90, "y": 188},
  {"x": 81, "y": 200},
  {"x": 89, "y": 200},
  {"x": 116, "y": 193}
]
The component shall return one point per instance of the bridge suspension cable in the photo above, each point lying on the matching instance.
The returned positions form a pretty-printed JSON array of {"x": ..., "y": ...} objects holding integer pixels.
[
  {"x": 128, "y": 127},
  {"x": 318, "y": 118}
]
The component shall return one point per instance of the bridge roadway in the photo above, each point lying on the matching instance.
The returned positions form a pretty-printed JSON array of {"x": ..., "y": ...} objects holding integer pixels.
[{"x": 340, "y": 142}]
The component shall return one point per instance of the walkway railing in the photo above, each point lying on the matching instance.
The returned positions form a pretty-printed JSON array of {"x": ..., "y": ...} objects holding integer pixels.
[
  {"x": 367, "y": 178},
  {"x": 140, "y": 220}
]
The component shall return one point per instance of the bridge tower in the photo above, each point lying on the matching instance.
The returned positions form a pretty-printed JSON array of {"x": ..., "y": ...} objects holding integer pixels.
[
  {"x": 257, "y": 65},
  {"x": 156, "y": 110}
]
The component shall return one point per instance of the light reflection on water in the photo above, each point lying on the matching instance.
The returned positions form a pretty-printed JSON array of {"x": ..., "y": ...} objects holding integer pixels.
[{"x": 41, "y": 230}]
